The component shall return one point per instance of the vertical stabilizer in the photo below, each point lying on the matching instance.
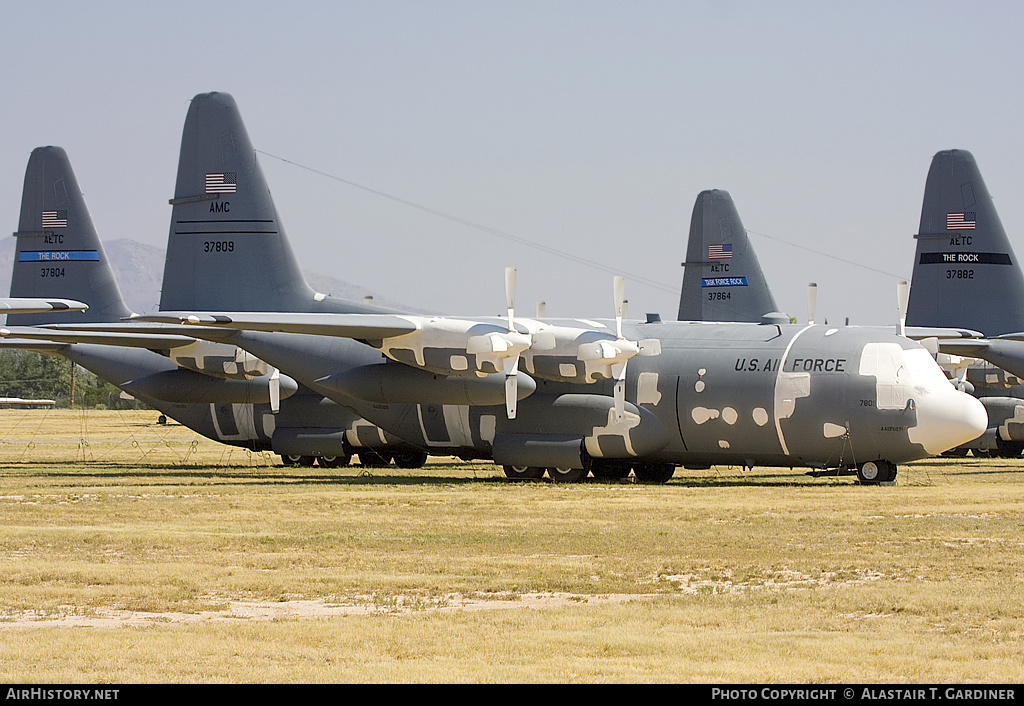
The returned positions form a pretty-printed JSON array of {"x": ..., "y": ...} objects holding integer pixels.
[
  {"x": 227, "y": 249},
  {"x": 58, "y": 253},
  {"x": 965, "y": 272},
  {"x": 723, "y": 279}
]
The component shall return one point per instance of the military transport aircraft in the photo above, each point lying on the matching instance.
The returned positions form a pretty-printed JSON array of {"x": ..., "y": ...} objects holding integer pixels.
[
  {"x": 216, "y": 389},
  {"x": 966, "y": 274},
  {"x": 600, "y": 396}
]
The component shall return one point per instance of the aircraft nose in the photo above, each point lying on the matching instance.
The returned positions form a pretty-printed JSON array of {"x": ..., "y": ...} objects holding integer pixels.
[{"x": 947, "y": 419}]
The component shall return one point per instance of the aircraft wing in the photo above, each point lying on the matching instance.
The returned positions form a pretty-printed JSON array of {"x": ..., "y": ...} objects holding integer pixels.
[
  {"x": 143, "y": 328},
  {"x": 25, "y": 305},
  {"x": 132, "y": 340},
  {"x": 918, "y": 333},
  {"x": 968, "y": 348},
  {"x": 357, "y": 326}
]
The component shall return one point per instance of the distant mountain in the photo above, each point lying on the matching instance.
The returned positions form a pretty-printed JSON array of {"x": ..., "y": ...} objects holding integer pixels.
[{"x": 139, "y": 269}]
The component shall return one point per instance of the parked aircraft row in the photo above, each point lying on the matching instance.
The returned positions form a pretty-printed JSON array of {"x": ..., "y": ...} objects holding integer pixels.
[{"x": 245, "y": 352}]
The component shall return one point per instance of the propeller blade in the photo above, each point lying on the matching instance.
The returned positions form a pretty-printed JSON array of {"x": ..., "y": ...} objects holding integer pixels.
[
  {"x": 619, "y": 371},
  {"x": 275, "y": 391},
  {"x": 511, "y": 386},
  {"x": 510, "y": 295},
  {"x": 902, "y": 299},
  {"x": 812, "y": 301},
  {"x": 619, "y": 287}
]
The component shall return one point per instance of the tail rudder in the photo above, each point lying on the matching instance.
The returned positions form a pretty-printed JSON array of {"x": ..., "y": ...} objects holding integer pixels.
[
  {"x": 58, "y": 252},
  {"x": 722, "y": 280},
  {"x": 965, "y": 271},
  {"x": 227, "y": 249}
]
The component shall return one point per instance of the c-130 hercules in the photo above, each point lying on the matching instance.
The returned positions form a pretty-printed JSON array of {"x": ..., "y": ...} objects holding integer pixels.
[
  {"x": 215, "y": 389},
  {"x": 570, "y": 396}
]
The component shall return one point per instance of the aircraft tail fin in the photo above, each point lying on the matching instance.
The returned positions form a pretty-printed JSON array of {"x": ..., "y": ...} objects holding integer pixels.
[
  {"x": 227, "y": 249},
  {"x": 965, "y": 271},
  {"x": 58, "y": 252},
  {"x": 722, "y": 280}
]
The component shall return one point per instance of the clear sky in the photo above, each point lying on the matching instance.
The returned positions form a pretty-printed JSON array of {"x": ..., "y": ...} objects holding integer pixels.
[{"x": 587, "y": 127}]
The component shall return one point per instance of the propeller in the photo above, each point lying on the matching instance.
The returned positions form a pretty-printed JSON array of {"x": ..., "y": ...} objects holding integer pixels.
[
  {"x": 615, "y": 354},
  {"x": 502, "y": 349},
  {"x": 812, "y": 301},
  {"x": 902, "y": 299}
]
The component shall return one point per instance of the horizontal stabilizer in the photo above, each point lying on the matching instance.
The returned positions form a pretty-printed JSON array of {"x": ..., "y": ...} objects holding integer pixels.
[
  {"x": 22, "y": 305},
  {"x": 920, "y": 332},
  {"x": 21, "y": 344},
  {"x": 153, "y": 341}
]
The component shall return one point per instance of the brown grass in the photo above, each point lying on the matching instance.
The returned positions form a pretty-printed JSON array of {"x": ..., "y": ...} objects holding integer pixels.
[{"x": 175, "y": 559}]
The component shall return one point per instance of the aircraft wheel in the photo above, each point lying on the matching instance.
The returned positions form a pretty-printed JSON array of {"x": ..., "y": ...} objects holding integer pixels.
[
  {"x": 289, "y": 460},
  {"x": 410, "y": 459},
  {"x": 523, "y": 472},
  {"x": 875, "y": 472},
  {"x": 567, "y": 475},
  {"x": 609, "y": 470},
  {"x": 1009, "y": 449},
  {"x": 297, "y": 460},
  {"x": 332, "y": 461},
  {"x": 958, "y": 452},
  {"x": 372, "y": 458},
  {"x": 654, "y": 473}
]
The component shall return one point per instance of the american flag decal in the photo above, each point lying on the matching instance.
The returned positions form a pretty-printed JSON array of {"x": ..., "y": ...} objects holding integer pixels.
[
  {"x": 223, "y": 183},
  {"x": 55, "y": 219},
  {"x": 720, "y": 252},
  {"x": 960, "y": 221}
]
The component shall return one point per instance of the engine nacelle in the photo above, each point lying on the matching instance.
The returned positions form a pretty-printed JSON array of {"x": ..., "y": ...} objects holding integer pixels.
[{"x": 185, "y": 386}]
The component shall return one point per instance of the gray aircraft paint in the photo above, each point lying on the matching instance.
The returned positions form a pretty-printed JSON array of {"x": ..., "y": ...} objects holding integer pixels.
[
  {"x": 967, "y": 274},
  {"x": 717, "y": 393},
  {"x": 965, "y": 269},
  {"x": 234, "y": 411},
  {"x": 57, "y": 251},
  {"x": 722, "y": 279}
]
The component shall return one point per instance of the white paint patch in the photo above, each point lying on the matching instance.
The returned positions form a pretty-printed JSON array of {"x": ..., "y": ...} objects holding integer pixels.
[
  {"x": 456, "y": 418},
  {"x": 613, "y": 428},
  {"x": 760, "y": 416},
  {"x": 885, "y": 362},
  {"x": 831, "y": 331},
  {"x": 703, "y": 414},
  {"x": 352, "y": 433},
  {"x": 729, "y": 415},
  {"x": 459, "y": 362},
  {"x": 319, "y": 297},
  {"x": 488, "y": 423},
  {"x": 647, "y": 389},
  {"x": 789, "y": 387},
  {"x": 723, "y": 443},
  {"x": 699, "y": 386},
  {"x": 269, "y": 424},
  {"x": 244, "y": 419},
  {"x": 833, "y": 431},
  {"x": 567, "y": 370}
]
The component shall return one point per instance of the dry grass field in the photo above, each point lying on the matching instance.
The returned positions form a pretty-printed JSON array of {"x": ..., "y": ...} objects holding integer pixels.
[{"x": 134, "y": 552}]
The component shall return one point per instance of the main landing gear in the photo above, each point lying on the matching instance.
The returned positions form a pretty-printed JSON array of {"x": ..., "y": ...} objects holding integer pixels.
[
  {"x": 607, "y": 470},
  {"x": 875, "y": 472}
]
